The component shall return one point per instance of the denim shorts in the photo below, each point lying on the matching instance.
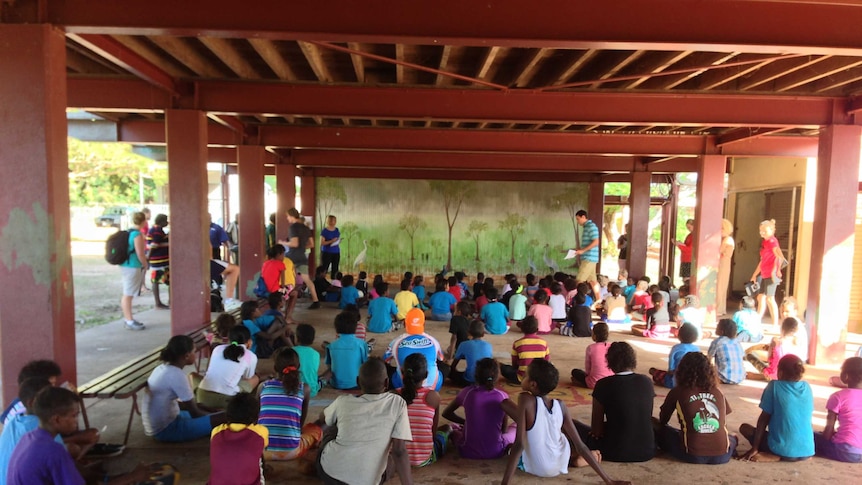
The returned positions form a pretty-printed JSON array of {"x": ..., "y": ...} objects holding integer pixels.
[{"x": 185, "y": 428}]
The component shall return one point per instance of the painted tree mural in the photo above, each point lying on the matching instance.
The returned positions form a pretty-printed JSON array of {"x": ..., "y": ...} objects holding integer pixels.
[
  {"x": 514, "y": 224},
  {"x": 474, "y": 230},
  {"x": 348, "y": 231},
  {"x": 330, "y": 191},
  {"x": 454, "y": 193},
  {"x": 571, "y": 201},
  {"x": 410, "y": 223}
]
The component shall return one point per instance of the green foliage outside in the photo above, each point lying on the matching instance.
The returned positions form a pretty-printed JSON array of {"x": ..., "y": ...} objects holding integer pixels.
[{"x": 110, "y": 174}]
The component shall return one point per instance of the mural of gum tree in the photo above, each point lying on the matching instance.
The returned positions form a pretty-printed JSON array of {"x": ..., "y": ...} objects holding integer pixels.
[
  {"x": 349, "y": 230},
  {"x": 329, "y": 192},
  {"x": 513, "y": 223},
  {"x": 436, "y": 244},
  {"x": 474, "y": 230},
  {"x": 570, "y": 200},
  {"x": 454, "y": 193},
  {"x": 410, "y": 223}
]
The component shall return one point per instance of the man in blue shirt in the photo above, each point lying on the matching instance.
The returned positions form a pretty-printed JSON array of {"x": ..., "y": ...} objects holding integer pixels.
[
  {"x": 218, "y": 238},
  {"x": 588, "y": 251}
]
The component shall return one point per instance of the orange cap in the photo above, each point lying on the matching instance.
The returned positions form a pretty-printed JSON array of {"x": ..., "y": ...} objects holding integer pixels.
[{"x": 414, "y": 321}]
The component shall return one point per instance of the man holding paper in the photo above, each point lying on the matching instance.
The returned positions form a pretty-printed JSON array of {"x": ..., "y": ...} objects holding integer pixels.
[{"x": 588, "y": 251}]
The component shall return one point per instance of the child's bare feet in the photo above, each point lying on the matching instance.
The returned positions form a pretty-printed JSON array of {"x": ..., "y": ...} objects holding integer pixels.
[
  {"x": 764, "y": 457},
  {"x": 581, "y": 462}
]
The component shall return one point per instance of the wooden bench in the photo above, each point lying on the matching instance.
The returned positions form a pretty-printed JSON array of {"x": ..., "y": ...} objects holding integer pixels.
[{"x": 127, "y": 380}]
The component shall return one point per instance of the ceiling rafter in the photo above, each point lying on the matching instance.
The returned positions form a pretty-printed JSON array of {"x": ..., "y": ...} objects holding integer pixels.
[
  {"x": 444, "y": 63},
  {"x": 315, "y": 60},
  {"x": 778, "y": 69},
  {"x": 184, "y": 53},
  {"x": 530, "y": 67},
  {"x": 716, "y": 77},
  {"x": 224, "y": 50},
  {"x": 399, "y": 66},
  {"x": 660, "y": 62},
  {"x": 357, "y": 61},
  {"x": 487, "y": 61},
  {"x": 574, "y": 66},
  {"x": 268, "y": 51},
  {"x": 837, "y": 80},
  {"x": 626, "y": 58},
  {"x": 823, "y": 69}
]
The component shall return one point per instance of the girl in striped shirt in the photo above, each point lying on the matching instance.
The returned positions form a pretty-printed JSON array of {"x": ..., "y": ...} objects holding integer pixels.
[
  {"x": 423, "y": 410},
  {"x": 284, "y": 408}
]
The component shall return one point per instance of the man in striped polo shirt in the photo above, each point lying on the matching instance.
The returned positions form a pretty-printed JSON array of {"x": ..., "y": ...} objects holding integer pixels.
[
  {"x": 524, "y": 350},
  {"x": 588, "y": 252}
]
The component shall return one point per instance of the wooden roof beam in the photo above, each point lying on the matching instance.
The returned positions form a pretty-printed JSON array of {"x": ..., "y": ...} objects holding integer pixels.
[
  {"x": 659, "y": 62},
  {"x": 529, "y": 67},
  {"x": 228, "y": 54},
  {"x": 185, "y": 54},
  {"x": 315, "y": 60},
  {"x": 268, "y": 51},
  {"x": 778, "y": 69},
  {"x": 358, "y": 61},
  {"x": 624, "y": 59},
  {"x": 821, "y": 70}
]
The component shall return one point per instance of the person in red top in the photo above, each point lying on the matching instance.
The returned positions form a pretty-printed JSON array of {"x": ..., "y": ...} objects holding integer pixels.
[
  {"x": 455, "y": 289},
  {"x": 236, "y": 447},
  {"x": 275, "y": 271},
  {"x": 769, "y": 270},
  {"x": 685, "y": 253}
]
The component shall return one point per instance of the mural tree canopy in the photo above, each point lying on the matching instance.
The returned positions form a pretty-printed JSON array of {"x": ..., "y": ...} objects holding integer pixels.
[
  {"x": 329, "y": 191},
  {"x": 513, "y": 223},
  {"x": 474, "y": 230},
  {"x": 571, "y": 201},
  {"x": 348, "y": 231},
  {"x": 454, "y": 193},
  {"x": 410, "y": 223}
]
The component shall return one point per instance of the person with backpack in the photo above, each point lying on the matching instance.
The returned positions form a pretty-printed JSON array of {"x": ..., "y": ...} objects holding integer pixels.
[{"x": 133, "y": 269}]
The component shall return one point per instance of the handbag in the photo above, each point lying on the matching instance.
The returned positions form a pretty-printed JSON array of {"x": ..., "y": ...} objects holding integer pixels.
[{"x": 751, "y": 288}]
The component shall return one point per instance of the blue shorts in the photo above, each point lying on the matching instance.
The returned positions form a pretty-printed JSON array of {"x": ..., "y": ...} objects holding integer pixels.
[
  {"x": 185, "y": 428},
  {"x": 440, "y": 317}
]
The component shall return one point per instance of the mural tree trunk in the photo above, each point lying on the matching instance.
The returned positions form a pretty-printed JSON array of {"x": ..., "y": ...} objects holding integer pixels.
[
  {"x": 571, "y": 201},
  {"x": 454, "y": 193},
  {"x": 348, "y": 231},
  {"x": 410, "y": 223},
  {"x": 513, "y": 223},
  {"x": 476, "y": 229}
]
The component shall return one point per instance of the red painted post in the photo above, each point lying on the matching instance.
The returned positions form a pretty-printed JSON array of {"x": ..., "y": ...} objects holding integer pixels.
[
  {"x": 309, "y": 209},
  {"x": 186, "y": 134},
  {"x": 832, "y": 243},
  {"x": 639, "y": 201},
  {"x": 596, "y": 213},
  {"x": 285, "y": 182},
  {"x": 37, "y": 306},
  {"x": 250, "y": 161},
  {"x": 707, "y": 230}
]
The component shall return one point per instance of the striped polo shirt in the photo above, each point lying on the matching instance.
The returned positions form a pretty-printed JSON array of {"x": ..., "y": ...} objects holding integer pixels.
[
  {"x": 421, "y": 417},
  {"x": 528, "y": 348},
  {"x": 589, "y": 234},
  {"x": 281, "y": 414}
]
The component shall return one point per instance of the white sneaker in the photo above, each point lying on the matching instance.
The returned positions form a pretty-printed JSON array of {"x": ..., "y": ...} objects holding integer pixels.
[
  {"x": 231, "y": 303},
  {"x": 135, "y": 325}
]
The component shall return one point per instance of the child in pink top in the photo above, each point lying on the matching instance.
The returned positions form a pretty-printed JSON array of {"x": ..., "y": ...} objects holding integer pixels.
[
  {"x": 423, "y": 410},
  {"x": 845, "y": 407},
  {"x": 596, "y": 363},
  {"x": 780, "y": 346},
  {"x": 542, "y": 312}
]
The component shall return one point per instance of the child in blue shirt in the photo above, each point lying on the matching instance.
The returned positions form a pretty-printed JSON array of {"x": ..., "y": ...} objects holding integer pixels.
[
  {"x": 787, "y": 405},
  {"x": 441, "y": 304},
  {"x": 748, "y": 323},
  {"x": 381, "y": 310},
  {"x": 349, "y": 293},
  {"x": 346, "y": 354},
  {"x": 687, "y": 336},
  {"x": 495, "y": 314},
  {"x": 309, "y": 359},
  {"x": 21, "y": 424},
  {"x": 419, "y": 290},
  {"x": 472, "y": 351},
  {"x": 266, "y": 336}
]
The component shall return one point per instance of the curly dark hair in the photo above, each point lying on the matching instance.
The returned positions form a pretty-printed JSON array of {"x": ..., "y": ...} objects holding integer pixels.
[
  {"x": 695, "y": 371},
  {"x": 790, "y": 368},
  {"x": 726, "y": 328},
  {"x": 621, "y": 357}
]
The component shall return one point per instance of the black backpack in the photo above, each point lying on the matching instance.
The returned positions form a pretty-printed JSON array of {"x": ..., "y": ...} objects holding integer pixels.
[{"x": 117, "y": 248}]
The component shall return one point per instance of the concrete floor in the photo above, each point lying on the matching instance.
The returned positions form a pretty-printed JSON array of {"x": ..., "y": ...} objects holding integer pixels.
[{"x": 104, "y": 347}]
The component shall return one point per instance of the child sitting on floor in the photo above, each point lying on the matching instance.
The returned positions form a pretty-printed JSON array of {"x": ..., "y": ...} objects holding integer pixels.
[
  {"x": 219, "y": 329},
  {"x": 236, "y": 447},
  {"x": 727, "y": 352},
  {"x": 595, "y": 362},
  {"x": 748, "y": 323},
  {"x": 641, "y": 300},
  {"x": 231, "y": 370},
  {"x": 517, "y": 304},
  {"x": 780, "y": 346},
  {"x": 459, "y": 327},
  {"x": 545, "y": 431},
  {"x": 349, "y": 293},
  {"x": 284, "y": 409},
  {"x": 423, "y": 409},
  {"x": 789, "y": 308},
  {"x": 309, "y": 358},
  {"x": 472, "y": 351},
  {"x": 691, "y": 312},
  {"x": 279, "y": 310},
  {"x": 657, "y": 320},
  {"x": 378, "y": 420},
  {"x": 405, "y": 299},
  {"x": 702, "y": 412},
  {"x": 614, "y": 306},
  {"x": 381, "y": 310},
  {"x": 495, "y": 314},
  {"x": 346, "y": 354},
  {"x": 441, "y": 302},
  {"x": 525, "y": 350},
  {"x": 687, "y": 336},
  {"x": 580, "y": 318},
  {"x": 845, "y": 407},
  {"x": 418, "y": 289},
  {"x": 557, "y": 302},
  {"x": 23, "y": 423},
  {"x": 787, "y": 405},
  {"x": 267, "y": 335},
  {"x": 541, "y": 312},
  {"x": 482, "y": 434}
]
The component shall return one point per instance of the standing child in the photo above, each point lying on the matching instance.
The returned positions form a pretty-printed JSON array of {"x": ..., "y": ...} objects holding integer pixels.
[
  {"x": 702, "y": 412},
  {"x": 349, "y": 293},
  {"x": 748, "y": 323},
  {"x": 309, "y": 359},
  {"x": 845, "y": 407},
  {"x": 495, "y": 315},
  {"x": 482, "y": 434},
  {"x": 657, "y": 320},
  {"x": 441, "y": 302},
  {"x": 346, "y": 354},
  {"x": 541, "y": 312},
  {"x": 727, "y": 352},
  {"x": 236, "y": 447},
  {"x": 687, "y": 336},
  {"x": 780, "y": 346},
  {"x": 418, "y": 289},
  {"x": 231, "y": 371},
  {"x": 405, "y": 299},
  {"x": 545, "y": 431},
  {"x": 787, "y": 405},
  {"x": 423, "y": 410},
  {"x": 459, "y": 327},
  {"x": 284, "y": 409},
  {"x": 525, "y": 350},
  {"x": 595, "y": 362},
  {"x": 381, "y": 310},
  {"x": 472, "y": 351}
]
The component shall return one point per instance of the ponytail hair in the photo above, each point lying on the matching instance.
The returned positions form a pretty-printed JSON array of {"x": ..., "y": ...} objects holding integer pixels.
[
  {"x": 178, "y": 346},
  {"x": 414, "y": 371},
  {"x": 487, "y": 373},
  {"x": 238, "y": 335},
  {"x": 287, "y": 368}
]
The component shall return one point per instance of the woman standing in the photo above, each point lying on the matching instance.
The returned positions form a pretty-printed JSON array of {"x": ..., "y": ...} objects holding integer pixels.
[
  {"x": 685, "y": 253},
  {"x": 330, "y": 249},
  {"x": 300, "y": 238},
  {"x": 133, "y": 270},
  {"x": 769, "y": 271},
  {"x": 725, "y": 253}
]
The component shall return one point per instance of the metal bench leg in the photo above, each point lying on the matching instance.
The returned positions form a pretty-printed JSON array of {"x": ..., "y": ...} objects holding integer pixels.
[
  {"x": 131, "y": 415},
  {"x": 84, "y": 413}
]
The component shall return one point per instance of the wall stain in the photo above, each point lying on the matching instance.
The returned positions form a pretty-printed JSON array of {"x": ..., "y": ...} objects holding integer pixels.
[{"x": 31, "y": 242}]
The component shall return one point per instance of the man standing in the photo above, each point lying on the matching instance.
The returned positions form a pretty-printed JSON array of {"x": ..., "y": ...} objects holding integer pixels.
[
  {"x": 218, "y": 238},
  {"x": 233, "y": 238},
  {"x": 588, "y": 252}
]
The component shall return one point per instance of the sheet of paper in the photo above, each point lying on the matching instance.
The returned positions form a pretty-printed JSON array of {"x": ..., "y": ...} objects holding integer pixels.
[
  {"x": 336, "y": 243},
  {"x": 572, "y": 254}
]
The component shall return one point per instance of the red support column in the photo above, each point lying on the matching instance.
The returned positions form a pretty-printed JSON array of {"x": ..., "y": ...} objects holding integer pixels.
[
  {"x": 285, "y": 182},
  {"x": 308, "y": 188},
  {"x": 639, "y": 201},
  {"x": 831, "y": 271},
  {"x": 37, "y": 306},
  {"x": 707, "y": 230},
  {"x": 186, "y": 135},
  {"x": 596, "y": 213},
  {"x": 251, "y": 228}
]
